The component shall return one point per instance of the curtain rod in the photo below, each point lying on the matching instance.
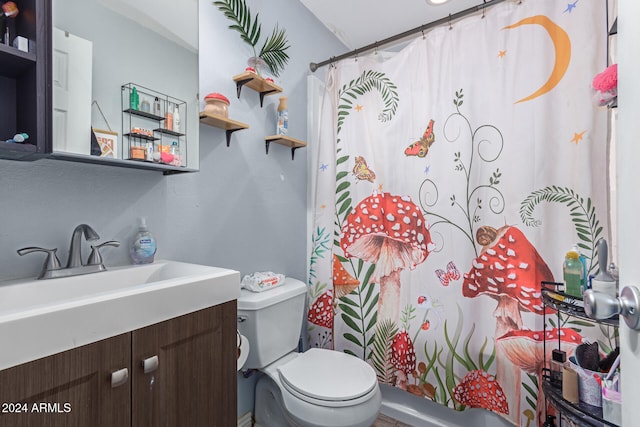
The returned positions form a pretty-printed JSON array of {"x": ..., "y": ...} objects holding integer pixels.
[{"x": 447, "y": 19}]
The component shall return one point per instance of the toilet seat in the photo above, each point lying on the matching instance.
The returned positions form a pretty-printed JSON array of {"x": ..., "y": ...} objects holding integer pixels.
[{"x": 328, "y": 378}]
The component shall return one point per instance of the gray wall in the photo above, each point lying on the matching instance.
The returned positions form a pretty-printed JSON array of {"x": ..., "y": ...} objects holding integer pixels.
[{"x": 244, "y": 210}]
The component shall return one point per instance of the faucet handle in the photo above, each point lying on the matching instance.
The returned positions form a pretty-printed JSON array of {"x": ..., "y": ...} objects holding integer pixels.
[
  {"x": 95, "y": 258},
  {"x": 51, "y": 263}
]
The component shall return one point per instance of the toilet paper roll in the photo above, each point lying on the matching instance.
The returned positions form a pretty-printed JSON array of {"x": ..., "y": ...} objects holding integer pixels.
[{"x": 243, "y": 349}]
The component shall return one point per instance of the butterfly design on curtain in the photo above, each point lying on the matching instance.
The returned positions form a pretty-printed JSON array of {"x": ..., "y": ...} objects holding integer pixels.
[
  {"x": 362, "y": 171},
  {"x": 448, "y": 276},
  {"x": 420, "y": 148}
]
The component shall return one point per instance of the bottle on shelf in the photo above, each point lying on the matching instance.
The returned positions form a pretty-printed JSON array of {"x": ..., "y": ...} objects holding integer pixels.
[
  {"x": 572, "y": 273},
  {"x": 584, "y": 285},
  {"x": 176, "y": 118},
  {"x": 134, "y": 99},
  {"x": 168, "y": 118},
  {"x": 283, "y": 117},
  {"x": 175, "y": 150},
  {"x": 156, "y": 107}
]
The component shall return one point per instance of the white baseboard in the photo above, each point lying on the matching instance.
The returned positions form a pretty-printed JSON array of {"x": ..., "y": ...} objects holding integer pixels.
[{"x": 245, "y": 420}]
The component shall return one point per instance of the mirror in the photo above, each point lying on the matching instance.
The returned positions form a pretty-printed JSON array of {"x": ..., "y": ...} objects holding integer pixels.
[{"x": 102, "y": 49}]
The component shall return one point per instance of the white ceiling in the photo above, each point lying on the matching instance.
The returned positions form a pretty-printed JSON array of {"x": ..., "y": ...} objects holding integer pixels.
[{"x": 358, "y": 23}]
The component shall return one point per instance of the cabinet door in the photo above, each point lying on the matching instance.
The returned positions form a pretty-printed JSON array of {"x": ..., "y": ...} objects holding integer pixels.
[
  {"x": 69, "y": 389},
  {"x": 194, "y": 382}
]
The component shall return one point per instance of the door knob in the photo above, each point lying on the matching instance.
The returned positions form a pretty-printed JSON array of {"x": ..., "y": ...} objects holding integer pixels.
[{"x": 599, "y": 305}]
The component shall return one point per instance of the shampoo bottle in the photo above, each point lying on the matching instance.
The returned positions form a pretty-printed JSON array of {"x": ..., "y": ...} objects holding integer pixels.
[
  {"x": 176, "y": 118},
  {"x": 143, "y": 246},
  {"x": 572, "y": 273},
  {"x": 283, "y": 117},
  {"x": 168, "y": 118}
]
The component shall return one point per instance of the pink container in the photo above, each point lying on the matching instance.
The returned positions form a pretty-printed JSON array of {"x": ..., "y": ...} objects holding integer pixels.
[{"x": 217, "y": 104}]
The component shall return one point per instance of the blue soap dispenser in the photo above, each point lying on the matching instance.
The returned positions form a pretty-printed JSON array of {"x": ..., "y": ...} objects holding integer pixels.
[{"x": 143, "y": 246}]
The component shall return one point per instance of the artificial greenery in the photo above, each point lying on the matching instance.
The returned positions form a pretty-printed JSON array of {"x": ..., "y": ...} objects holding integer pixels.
[{"x": 273, "y": 51}]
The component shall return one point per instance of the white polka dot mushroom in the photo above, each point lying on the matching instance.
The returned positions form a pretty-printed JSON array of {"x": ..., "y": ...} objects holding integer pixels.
[
  {"x": 479, "y": 389},
  {"x": 390, "y": 232},
  {"x": 509, "y": 270}
]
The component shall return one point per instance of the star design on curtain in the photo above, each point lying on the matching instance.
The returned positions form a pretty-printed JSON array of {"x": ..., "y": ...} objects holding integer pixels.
[
  {"x": 577, "y": 137},
  {"x": 571, "y": 6}
]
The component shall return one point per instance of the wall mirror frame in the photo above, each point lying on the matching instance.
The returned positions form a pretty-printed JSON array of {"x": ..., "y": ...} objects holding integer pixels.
[{"x": 101, "y": 47}]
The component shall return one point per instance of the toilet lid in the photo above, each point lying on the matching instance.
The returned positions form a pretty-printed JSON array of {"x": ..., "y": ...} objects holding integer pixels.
[{"x": 328, "y": 375}]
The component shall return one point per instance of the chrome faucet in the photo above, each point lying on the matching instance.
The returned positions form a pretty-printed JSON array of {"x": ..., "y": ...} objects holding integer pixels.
[
  {"x": 75, "y": 248},
  {"x": 52, "y": 267}
]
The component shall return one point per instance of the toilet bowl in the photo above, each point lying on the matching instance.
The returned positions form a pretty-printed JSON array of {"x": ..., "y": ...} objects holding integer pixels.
[{"x": 316, "y": 388}]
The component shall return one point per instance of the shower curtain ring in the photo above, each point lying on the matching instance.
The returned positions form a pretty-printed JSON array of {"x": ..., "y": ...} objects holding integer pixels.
[
  {"x": 450, "y": 26},
  {"x": 423, "y": 36},
  {"x": 484, "y": 8},
  {"x": 375, "y": 48}
]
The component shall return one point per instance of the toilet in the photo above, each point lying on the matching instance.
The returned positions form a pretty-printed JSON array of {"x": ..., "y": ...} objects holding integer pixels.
[{"x": 317, "y": 388}]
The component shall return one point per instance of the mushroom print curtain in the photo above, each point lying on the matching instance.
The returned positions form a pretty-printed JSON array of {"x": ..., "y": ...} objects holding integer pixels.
[{"x": 452, "y": 177}]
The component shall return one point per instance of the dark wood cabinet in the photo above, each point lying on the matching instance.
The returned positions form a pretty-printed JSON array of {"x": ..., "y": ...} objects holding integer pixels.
[
  {"x": 195, "y": 382},
  {"x": 67, "y": 389},
  {"x": 192, "y": 382},
  {"x": 25, "y": 83}
]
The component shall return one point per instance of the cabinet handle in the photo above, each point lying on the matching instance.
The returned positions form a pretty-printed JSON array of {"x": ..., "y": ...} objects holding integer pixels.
[
  {"x": 150, "y": 364},
  {"x": 119, "y": 377}
]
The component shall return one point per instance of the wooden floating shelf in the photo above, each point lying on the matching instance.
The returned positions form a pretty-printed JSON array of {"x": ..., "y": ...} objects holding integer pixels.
[
  {"x": 221, "y": 122},
  {"x": 257, "y": 83},
  {"x": 286, "y": 141}
]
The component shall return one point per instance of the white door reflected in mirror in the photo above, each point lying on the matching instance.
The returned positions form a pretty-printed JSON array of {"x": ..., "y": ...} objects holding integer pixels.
[{"x": 71, "y": 102}]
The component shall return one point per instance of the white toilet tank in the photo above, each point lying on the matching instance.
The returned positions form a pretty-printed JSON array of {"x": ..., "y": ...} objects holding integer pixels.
[{"x": 272, "y": 321}]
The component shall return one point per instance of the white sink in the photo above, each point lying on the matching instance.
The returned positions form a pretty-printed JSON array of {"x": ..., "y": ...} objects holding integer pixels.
[{"x": 43, "y": 317}]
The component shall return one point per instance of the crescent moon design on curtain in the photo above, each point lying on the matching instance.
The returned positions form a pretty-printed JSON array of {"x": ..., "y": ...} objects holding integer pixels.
[{"x": 562, "y": 47}]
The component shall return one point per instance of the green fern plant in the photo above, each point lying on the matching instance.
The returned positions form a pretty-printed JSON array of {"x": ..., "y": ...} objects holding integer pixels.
[{"x": 273, "y": 51}]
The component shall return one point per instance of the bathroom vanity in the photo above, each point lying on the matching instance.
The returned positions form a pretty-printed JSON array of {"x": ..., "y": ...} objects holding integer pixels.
[{"x": 178, "y": 371}]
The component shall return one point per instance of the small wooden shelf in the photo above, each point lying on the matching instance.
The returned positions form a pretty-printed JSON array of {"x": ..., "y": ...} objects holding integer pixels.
[
  {"x": 221, "y": 122},
  {"x": 257, "y": 83},
  {"x": 285, "y": 140}
]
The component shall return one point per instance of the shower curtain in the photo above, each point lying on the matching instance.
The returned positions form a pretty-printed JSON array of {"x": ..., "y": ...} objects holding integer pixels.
[{"x": 452, "y": 177}]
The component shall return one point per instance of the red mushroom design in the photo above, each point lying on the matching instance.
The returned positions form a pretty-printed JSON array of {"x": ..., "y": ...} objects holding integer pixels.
[
  {"x": 321, "y": 311},
  {"x": 509, "y": 270},
  {"x": 391, "y": 232},
  {"x": 479, "y": 389},
  {"x": 403, "y": 357},
  {"x": 526, "y": 348}
]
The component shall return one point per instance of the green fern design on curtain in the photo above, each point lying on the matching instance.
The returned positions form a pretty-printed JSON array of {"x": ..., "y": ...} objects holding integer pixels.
[
  {"x": 381, "y": 354},
  {"x": 320, "y": 245},
  {"x": 358, "y": 311},
  {"x": 583, "y": 216},
  {"x": 369, "y": 80}
]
